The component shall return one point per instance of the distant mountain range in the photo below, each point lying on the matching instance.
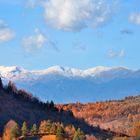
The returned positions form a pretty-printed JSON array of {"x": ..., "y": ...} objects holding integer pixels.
[{"x": 64, "y": 85}]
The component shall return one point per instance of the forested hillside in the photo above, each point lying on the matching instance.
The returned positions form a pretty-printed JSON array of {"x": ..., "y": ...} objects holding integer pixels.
[
  {"x": 122, "y": 117},
  {"x": 20, "y": 111},
  {"x": 20, "y": 106}
]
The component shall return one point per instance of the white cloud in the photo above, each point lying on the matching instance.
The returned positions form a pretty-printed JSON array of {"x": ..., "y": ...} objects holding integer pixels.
[
  {"x": 135, "y": 18},
  {"x": 116, "y": 54},
  {"x": 74, "y": 15},
  {"x": 37, "y": 41},
  {"x": 34, "y": 42},
  {"x": 6, "y": 33}
]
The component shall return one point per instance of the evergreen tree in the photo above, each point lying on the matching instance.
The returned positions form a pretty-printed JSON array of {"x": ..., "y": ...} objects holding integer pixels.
[
  {"x": 47, "y": 104},
  {"x": 33, "y": 130},
  {"x": 14, "y": 131},
  {"x": 11, "y": 87},
  {"x": 51, "y": 104},
  {"x": 79, "y": 135},
  {"x": 53, "y": 129},
  {"x": 1, "y": 84},
  {"x": 60, "y": 134},
  {"x": 24, "y": 129},
  {"x": 48, "y": 126}
]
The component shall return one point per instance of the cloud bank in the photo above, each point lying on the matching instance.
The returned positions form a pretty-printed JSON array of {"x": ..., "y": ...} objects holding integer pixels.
[
  {"x": 6, "y": 33},
  {"x": 75, "y": 15}
]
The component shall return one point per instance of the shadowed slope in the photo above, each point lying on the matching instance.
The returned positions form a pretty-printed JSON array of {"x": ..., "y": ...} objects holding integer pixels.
[{"x": 19, "y": 109}]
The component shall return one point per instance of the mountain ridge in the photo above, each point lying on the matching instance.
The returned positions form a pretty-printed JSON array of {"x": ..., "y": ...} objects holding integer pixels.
[
  {"x": 61, "y": 70},
  {"x": 63, "y": 84}
]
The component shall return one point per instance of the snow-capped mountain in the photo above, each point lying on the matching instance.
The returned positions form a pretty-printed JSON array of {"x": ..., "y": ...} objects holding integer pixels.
[
  {"x": 63, "y": 84},
  {"x": 17, "y": 73}
]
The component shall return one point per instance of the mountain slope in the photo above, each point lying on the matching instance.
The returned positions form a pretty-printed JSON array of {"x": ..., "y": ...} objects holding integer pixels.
[
  {"x": 24, "y": 107},
  {"x": 65, "y": 85},
  {"x": 119, "y": 116}
]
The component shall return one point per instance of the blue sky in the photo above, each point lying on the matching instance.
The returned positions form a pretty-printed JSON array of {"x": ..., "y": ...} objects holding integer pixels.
[{"x": 81, "y": 34}]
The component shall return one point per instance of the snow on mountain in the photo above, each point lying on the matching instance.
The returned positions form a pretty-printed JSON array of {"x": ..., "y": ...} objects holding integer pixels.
[
  {"x": 95, "y": 70},
  {"x": 12, "y": 69},
  {"x": 59, "y": 70},
  {"x": 63, "y": 84},
  {"x": 11, "y": 72},
  {"x": 15, "y": 73}
]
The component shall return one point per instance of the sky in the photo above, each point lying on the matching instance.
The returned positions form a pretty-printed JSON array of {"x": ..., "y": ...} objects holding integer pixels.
[{"x": 36, "y": 34}]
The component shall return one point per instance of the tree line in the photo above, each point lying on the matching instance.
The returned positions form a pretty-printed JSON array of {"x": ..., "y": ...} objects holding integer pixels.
[
  {"x": 12, "y": 131},
  {"x": 22, "y": 94}
]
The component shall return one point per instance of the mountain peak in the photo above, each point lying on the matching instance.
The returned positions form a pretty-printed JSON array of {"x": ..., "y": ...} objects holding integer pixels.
[
  {"x": 11, "y": 69},
  {"x": 53, "y": 69},
  {"x": 56, "y": 68}
]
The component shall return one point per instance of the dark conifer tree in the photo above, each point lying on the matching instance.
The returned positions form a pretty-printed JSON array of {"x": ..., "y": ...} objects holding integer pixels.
[
  {"x": 51, "y": 104},
  {"x": 11, "y": 87},
  {"x": 1, "y": 84}
]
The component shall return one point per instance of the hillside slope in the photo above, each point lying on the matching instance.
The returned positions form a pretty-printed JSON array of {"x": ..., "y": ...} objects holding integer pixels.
[
  {"x": 24, "y": 107},
  {"x": 118, "y": 116}
]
